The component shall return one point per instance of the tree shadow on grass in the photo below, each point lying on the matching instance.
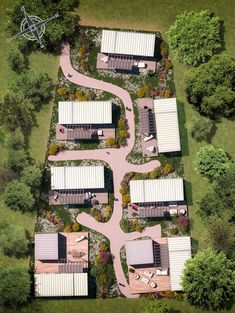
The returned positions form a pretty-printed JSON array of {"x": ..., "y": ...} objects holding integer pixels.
[
  {"x": 188, "y": 192},
  {"x": 183, "y": 129}
]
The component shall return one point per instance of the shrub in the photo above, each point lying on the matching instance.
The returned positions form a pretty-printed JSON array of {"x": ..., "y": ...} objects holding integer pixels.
[
  {"x": 103, "y": 246},
  {"x": 75, "y": 227},
  {"x": 183, "y": 223},
  {"x": 82, "y": 51},
  {"x": 167, "y": 169},
  {"x": 164, "y": 51},
  {"x": 6, "y": 175},
  {"x": 110, "y": 141},
  {"x": 123, "y": 191},
  {"x": 168, "y": 65},
  {"x": 98, "y": 217},
  {"x": 16, "y": 60},
  {"x": 138, "y": 227},
  {"x": 154, "y": 173},
  {"x": 167, "y": 93},
  {"x": 125, "y": 224},
  {"x": 62, "y": 91},
  {"x": 122, "y": 123},
  {"x": 123, "y": 133},
  {"x": 107, "y": 212},
  {"x": 68, "y": 228},
  {"x": 126, "y": 199},
  {"x": 80, "y": 96},
  {"x": 53, "y": 149}
]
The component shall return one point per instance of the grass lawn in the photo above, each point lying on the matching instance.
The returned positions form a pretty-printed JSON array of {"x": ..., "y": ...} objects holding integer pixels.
[
  {"x": 102, "y": 306},
  {"x": 158, "y": 16}
]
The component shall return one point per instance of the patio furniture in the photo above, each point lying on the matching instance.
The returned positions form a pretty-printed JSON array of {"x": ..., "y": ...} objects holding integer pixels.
[
  {"x": 173, "y": 211},
  {"x": 80, "y": 238},
  {"x": 153, "y": 284},
  {"x": 137, "y": 276},
  {"x": 148, "y": 138},
  {"x": 100, "y": 132},
  {"x": 182, "y": 211},
  {"x": 151, "y": 149},
  {"x": 105, "y": 59},
  {"x": 148, "y": 274},
  {"x": 144, "y": 280},
  {"x": 161, "y": 272}
]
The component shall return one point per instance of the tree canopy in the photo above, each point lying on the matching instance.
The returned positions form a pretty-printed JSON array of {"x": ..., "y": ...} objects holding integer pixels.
[
  {"x": 13, "y": 241},
  {"x": 211, "y": 162},
  {"x": 16, "y": 140},
  {"x": 221, "y": 236},
  {"x": 210, "y": 88},
  {"x": 16, "y": 112},
  {"x": 31, "y": 176},
  {"x": 35, "y": 86},
  {"x": 195, "y": 36},
  {"x": 16, "y": 60},
  {"x": 18, "y": 196},
  {"x": 220, "y": 200},
  {"x": 14, "y": 285},
  {"x": 209, "y": 280},
  {"x": 201, "y": 128},
  {"x": 57, "y": 30}
]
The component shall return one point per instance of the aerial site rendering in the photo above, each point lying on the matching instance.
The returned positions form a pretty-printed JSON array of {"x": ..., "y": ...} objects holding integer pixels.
[{"x": 117, "y": 150}]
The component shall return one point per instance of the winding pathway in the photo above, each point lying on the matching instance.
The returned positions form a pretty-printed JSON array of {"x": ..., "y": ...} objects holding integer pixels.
[{"x": 119, "y": 165}]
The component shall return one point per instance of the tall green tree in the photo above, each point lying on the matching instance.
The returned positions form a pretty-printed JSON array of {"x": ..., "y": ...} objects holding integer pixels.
[
  {"x": 31, "y": 176},
  {"x": 14, "y": 285},
  {"x": 16, "y": 112},
  {"x": 195, "y": 37},
  {"x": 201, "y": 128},
  {"x": 210, "y": 88},
  {"x": 16, "y": 140},
  {"x": 17, "y": 160},
  {"x": 18, "y": 196},
  {"x": 220, "y": 200},
  {"x": 35, "y": 86},
  {"x": 208, "y": 280},
  {"x": 16, "y": 60},
  {"x": 6, "y": 175},
  {"x": 211, "y": 162},
  {"x": 221, "y": 236},
  {"x": 61, "y": 28},
  {"x": 13, "y": 241}
]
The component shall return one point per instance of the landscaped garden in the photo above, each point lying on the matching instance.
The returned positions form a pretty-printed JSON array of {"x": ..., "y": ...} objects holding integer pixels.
[{"x": 207, "y": 167}]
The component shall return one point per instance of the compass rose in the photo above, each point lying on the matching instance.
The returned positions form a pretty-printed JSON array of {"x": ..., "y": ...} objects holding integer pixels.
[{"x": 33, "y": 27}]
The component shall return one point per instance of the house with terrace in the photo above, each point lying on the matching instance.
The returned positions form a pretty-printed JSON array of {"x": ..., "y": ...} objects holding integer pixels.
[
  {"x": 157, "y": 198},
  {"x": 61, "y": 264},
  {"x": 78, "y": 185},
  {"x": 156, "y": 264},
  {"x": 127, "y": 51},
  {"x": 159, "y": 126},
  {"x": 84, "y": 120}
]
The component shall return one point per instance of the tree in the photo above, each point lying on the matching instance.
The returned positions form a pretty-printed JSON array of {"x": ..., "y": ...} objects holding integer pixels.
[
  {"x": 13, "y": 241},
  {"x": 18, "y": 196},
  {"x": 53, "y": 149},
  {"x": 209, "y": 280},
  {"x": 31, "y": 176},
  {"x": 17, "y": 112},
  {"x": 195, "y": 37},
  {"x": 35, "y": 86},
  {"x": 201, "y": 128},
  {"x": 211, "y": 162},
  {"x": 221, "y": 235},
  {"x": 16, "y": 140},
  {"x": 6, "y": 175},
  {"x": 14, "y": 285},
  {"x": 58, "y": 30},
  {"x": 156, "y": 307},
  {"x": 210, "y": 87},
  {"x": 220, "y": 200},
  {"x": 17, "y": 160},
  {"x": 16, "y": 60}
]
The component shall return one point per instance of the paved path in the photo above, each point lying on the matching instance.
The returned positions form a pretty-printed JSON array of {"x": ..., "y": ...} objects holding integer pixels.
[{"x": 117, "y": 161}]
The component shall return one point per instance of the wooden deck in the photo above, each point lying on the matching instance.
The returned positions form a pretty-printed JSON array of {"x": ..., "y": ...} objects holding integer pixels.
[
  {"x": 58, "y": 198},
  {"x": 123, "y": 62},
  {"x": 76, "y": 256},
  {"x": 145, "y": 104},
  {"x": 163, "y": 282},
  {"x": 63, "y": 133},
  {"x": 155, "y": 210}
]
